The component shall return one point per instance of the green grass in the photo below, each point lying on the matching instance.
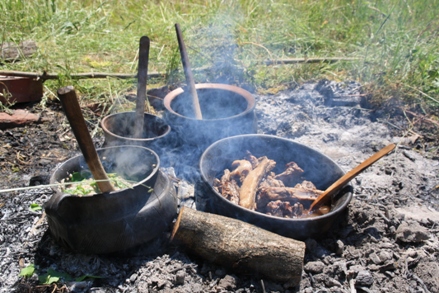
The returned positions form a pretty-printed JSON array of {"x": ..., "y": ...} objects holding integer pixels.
[{"x": 396, "y": 42}]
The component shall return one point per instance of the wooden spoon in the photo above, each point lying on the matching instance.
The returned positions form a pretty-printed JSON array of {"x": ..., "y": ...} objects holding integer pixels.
[
  {"x": 142, "y": 76},
  {"x": 188, "y": 73},
  {"x": 337, "y": 185},
  {"x": 70, "y": 104}
]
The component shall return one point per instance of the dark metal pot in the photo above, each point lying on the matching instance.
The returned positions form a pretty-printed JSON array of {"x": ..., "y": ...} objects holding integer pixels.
[
  {"x": 227, "y": 110},
  {"x": 110, "y": 222},
  {"x": 119, "y": 130},
  {"x": 319, "y": 169}
]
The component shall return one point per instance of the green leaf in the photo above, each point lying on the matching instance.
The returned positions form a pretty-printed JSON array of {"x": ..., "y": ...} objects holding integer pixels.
[
  {"x": 47, "y": 279},
  {"x": 28, "y": 271},
  {"x": 53, "y": 276},
  {"x": 35, "y": 207}
]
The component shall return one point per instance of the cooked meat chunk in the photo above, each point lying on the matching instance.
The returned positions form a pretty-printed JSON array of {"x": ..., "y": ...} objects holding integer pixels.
[
  {"x": 242, "y": 168},
  {"x": 247, "y": 193},
  {"x": 291, "y": 175},
  {"x": 252, "y": 159}
]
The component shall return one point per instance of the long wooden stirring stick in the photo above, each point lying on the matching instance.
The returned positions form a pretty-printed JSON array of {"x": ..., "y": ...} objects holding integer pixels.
[
  {"x": 70, "y": 104},
  {"x": 188, "y": 73},
  {"x": 326, "y": 195},
  {"x": 142, "y": 75}
]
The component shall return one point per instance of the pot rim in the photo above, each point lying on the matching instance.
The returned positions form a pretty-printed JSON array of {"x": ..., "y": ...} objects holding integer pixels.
[
  {"x": 330, "y": 214},
  {"x": 146, "y": 179},
  {"x": 251, "y": 102},
  {"x": 105, "y": 129}
]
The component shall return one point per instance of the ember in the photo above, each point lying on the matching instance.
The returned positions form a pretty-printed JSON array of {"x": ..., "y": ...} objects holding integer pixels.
[{"x": 252, "y": 185}]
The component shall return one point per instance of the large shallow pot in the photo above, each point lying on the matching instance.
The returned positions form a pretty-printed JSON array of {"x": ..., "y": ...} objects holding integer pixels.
[
  {"x": 110, "y": 222},
  {"x": 227, "y": 110},
  {"x": 319, "y": 169},
  {"x": 119, "y": 130}
]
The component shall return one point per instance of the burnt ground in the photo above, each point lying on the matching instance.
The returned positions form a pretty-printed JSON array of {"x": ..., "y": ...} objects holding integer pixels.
[{"x": 386, "y": 242}]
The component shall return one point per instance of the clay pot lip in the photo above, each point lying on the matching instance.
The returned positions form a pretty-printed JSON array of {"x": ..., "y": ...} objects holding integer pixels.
[
  {"x": 105, "y": 129},
  {"x": 331, "y": 214},
  {"x": 154, "y": 171},
  {"x": 251, "y": 102}
]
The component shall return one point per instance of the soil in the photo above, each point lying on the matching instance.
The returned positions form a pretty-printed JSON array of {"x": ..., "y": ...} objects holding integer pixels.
[{"x": 387, "y": 241}]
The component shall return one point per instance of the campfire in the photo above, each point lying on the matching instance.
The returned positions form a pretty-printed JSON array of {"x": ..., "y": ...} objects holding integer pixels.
[{"x": 258, "y": 199}]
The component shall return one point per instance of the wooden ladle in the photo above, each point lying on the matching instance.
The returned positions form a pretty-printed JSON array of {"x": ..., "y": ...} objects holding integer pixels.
[
  {"x": 70, "y": 104},
  {"x": 188, "y": 73},
  {"x": 337, "y": 185},
  {"x": 142, "y": 76}
]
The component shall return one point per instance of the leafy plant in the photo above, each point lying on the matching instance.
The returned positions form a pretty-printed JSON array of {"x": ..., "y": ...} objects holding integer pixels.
[
  {"x": 35, "y": 207},
  {"x": 28, "y": 271}
]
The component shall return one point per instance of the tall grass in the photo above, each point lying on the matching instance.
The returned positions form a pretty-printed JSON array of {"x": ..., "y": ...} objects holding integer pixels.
[{"x": 396, "y": 41}]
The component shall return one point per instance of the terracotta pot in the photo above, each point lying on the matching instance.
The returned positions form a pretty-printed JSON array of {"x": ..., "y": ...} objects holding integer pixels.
[
  {"x": 319, "y": 169},
  {"x": 227, "y": 110},
  {"x": 115, "y": 221},
  {"x": 20, "y": 89}
]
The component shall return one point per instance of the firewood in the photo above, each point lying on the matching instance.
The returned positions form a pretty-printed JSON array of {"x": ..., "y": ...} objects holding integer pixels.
[{"x": 240, "y": 246}]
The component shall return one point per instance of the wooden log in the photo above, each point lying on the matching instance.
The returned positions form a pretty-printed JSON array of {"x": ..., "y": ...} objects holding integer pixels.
[
  {"x": 11, "y": 52},
  {"x": 243, "y": 247}
]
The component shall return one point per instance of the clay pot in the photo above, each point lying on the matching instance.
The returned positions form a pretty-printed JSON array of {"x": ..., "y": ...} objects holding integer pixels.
[
  {"x": 319, "y": 169},
  {"x": 119, "y": 130},
  {"x": 21, "y": 89},
  {"x": 227, "y": 110},
  {"x": 115, "y": 221}
]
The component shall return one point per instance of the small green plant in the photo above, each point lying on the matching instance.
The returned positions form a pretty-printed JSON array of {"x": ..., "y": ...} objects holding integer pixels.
[
  {"x": 27, "y": 271},
  {"x": 34, "y": 207}
]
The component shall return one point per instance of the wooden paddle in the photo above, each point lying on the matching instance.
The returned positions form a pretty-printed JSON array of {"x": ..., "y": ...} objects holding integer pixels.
[
  {"x": 142, "y": 76},
  {"x": 337, "y": 185},
  {"x": 188, "y": 73},
  {"x": 70, "y": 104}
]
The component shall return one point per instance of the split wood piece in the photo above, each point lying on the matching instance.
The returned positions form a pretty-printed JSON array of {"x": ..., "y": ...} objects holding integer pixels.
[
  {"x": 247, "y": 193},
  {"x": 142, "y": 75},
  {"x": 70, "y": 104},
  {"x": 337, "y": 185},
  {"x": 188, "y": 73},
  {"x": 240, "y": 246}
]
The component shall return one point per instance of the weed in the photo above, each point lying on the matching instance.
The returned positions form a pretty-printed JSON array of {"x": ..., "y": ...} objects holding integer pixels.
[{"x": 395, "y": 41}]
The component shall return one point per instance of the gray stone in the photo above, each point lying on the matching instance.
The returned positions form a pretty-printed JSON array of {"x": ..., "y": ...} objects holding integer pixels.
[
  {"x": 314, "y": 267},
  {"x": 179, "y": 277},
  {"x": 411, "y": 232},
  {"x": 228, "y": 282},
  {"x": 364, "y": 278}
]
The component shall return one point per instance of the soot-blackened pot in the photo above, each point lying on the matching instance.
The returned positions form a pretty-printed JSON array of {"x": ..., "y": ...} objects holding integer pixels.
[
  {"x": 319, "y": 169},
  {"x": 119, "y": 130},
  {"x": 118, "y": 220}
]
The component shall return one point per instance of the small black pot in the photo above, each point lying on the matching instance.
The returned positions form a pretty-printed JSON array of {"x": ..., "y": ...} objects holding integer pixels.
[
  {"x": 319, "y": 169},
  {"x": 119, "y": 130},
  {"x": 118, "y": 220}
]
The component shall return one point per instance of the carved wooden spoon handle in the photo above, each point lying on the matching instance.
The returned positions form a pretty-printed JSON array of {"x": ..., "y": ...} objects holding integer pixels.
[
  {"x": 69, "y": 102},
  {"x": 326, "y": 195}
]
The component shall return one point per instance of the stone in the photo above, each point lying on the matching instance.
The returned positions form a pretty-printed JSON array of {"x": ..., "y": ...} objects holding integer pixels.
[
  {"x": 364, "y": 278},
  {"x": 411, "y": 232},
  {"x": 228, "y": 283},
  {"x": 179, "y": 277},
  {"x": 314, "y": 267}
]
